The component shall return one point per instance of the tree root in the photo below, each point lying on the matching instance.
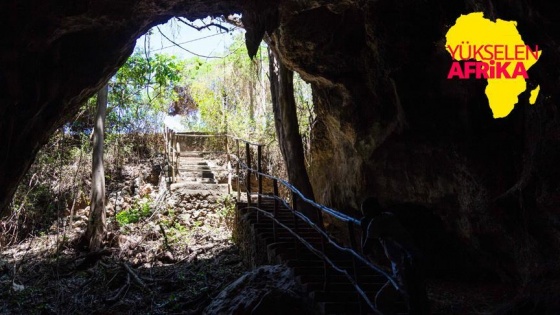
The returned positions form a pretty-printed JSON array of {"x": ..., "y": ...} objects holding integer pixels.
[
  {"x": 119, "y": 293},
  {"x": 135, "y": 277}
]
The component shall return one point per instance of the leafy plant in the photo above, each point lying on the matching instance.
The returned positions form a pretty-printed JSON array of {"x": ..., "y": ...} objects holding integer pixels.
[
  {"x": 227, "y": 210},
  {"x": 177, "y": 233},
  {"x": 140, "y": 210}
]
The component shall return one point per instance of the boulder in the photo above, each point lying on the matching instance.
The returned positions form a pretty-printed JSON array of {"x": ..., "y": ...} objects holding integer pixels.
[{"x": 269, "y": 289}]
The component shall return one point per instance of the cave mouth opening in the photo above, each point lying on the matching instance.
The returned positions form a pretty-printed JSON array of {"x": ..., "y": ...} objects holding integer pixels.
[{"x": 170, "y": 53}]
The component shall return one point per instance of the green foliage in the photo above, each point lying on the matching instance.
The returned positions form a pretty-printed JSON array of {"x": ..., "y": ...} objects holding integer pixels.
[
  {"x": 138, "y": 211},
  {"x": 227, "y": 210},
  {"x": 305, "y": 111},
  {"x": 139, "y": 95},
  {"x": 231, "y": 94},
  {"x": 142, "y": 90},
  {"x": 176, "y": 233},
  {"x": 48, "y": 189}
]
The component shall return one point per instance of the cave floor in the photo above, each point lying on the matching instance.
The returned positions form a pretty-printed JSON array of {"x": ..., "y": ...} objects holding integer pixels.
[
  {"x": 172, "y": 261},
  {"x": 459, "y": 297}
]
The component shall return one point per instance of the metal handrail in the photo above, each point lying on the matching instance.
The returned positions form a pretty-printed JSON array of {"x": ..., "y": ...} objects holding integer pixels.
[
  {"x": 189, "y": 134},
  {"x": 321, "y": 255},
  {"x": 321, "y": 231},
  {"x": 336, "y": 214}
]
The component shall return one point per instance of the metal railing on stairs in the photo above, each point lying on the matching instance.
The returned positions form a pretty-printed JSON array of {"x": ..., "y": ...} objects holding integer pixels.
[{"x": 244, "y": 169}]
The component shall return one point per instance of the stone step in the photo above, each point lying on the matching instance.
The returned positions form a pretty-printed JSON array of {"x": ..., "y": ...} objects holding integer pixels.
[
  {"x": 283, "y": 216},
  {"x": 192, "y": 168},
  {"x": 266, "y": 224},
  {"x": 191, "y": 154},
  {"x": 281, "y": 232},
  {"x": 288, "y": 238},
  {"x": 195, "y": 179},
  {"x": 280, "y": 215},
  {"x": 192, "y": 160},
  {"x": 195, "y": 186},
  {"x": 280, "y": 248},
  {"x": 200, "y": 174}
]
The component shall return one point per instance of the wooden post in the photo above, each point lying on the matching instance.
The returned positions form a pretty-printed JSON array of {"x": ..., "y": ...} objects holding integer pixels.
[
  {"x": 259, "y": 169},
  {"x": 228, "y": 167},
  {"x": 165, "y": 155},
  {"x": 166, "y": 152},
  {"x": 296, "y": 229},
  {"x": 237, "y": 170},
  {"x": 165, "y": 141},
  {"x": 275, "y": 213},
  {"x": 172, "y": 151},
  {"x": 354, "y": 246},
  {"x": 248, "y": 179}
]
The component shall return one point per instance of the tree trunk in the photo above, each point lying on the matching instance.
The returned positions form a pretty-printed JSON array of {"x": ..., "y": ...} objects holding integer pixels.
[
  {"x": 96, "y": 228},
  {"x": 251, "y": 95},
  {"x": 287, "y": 130}
]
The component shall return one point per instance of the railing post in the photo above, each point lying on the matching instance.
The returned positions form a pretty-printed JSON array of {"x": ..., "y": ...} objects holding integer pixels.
[
  {"x": 296, "y": 229},
  {"x": 237, "y": 171},
  {"x": 165, "y": 141},
  {"x": 326, "y": 271},
  {"x": 248, "y": 179},
  {"x": 275, "y": 213},
  {"x": 177, "y": 157},
  {"x": 259, "y": 169},
  {"x": 228, "y": 167},
  {"x": 353, "y": 245},
  {"x": 166, "y": 152},
  {"x": 173, "y": 157}
]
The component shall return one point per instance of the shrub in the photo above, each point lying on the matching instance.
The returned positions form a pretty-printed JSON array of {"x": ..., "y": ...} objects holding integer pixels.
[{"x": 140, "y": 210}]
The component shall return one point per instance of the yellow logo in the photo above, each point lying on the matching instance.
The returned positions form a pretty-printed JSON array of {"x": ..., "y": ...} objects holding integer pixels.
[{"x": 495, "y": 51}]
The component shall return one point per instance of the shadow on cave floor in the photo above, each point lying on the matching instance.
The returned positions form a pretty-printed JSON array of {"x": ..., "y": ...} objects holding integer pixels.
[
  {"x": 41, "y": 283},
  {"x": 160, "y": 258},
  {"x": 172, "y": 260}
]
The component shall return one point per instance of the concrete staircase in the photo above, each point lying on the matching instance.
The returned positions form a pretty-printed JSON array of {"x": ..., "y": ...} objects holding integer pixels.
[
  {"x": 195, "y": 174},
  {"x": 330, "y": 291}
]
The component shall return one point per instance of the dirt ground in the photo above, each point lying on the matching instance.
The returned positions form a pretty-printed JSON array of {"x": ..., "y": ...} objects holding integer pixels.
[{"x": 169, "y": 253}]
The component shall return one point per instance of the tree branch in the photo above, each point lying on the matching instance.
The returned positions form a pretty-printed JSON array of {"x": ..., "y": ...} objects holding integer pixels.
[
  {"x": 183, "y": 48},
  {"x": 198, "y": 28}
]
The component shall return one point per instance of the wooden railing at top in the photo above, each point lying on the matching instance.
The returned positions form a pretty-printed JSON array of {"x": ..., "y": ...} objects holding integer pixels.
[
  {"x": 352, "y": 224},
  {"x": 172, "y": 153}
]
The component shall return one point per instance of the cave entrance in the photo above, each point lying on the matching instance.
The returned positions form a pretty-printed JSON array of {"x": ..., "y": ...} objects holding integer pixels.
[
  {"x": 212, "y": 87},
  {"x": 176, "y": 246}
]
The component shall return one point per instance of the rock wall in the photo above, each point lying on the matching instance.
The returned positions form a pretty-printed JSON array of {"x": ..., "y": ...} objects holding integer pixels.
[{"x": 391, "y": 124}]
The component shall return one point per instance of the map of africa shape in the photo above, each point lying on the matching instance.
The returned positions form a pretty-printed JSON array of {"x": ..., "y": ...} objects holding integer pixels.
[{"x": 474, "y": 29}]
